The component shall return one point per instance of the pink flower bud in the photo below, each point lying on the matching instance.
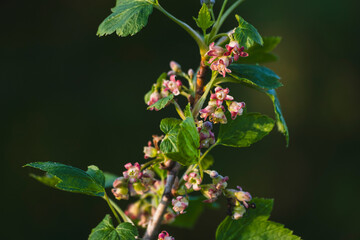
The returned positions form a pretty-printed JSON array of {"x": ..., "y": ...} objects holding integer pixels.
[
  {"x": 190, "y": 73},
  {"x": 175, "y": 67}
]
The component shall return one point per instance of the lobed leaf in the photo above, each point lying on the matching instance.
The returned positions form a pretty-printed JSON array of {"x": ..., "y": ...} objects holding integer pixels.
[
  {"x": 72, "y": 179},
  {"x": 171, "y": 128},
  {"x": 259, "y": 76},
  {"x": 246, "y": 34},
  {"x": 280, "y": 120},
  {"x": 204, "y": 19},
  {"x": 254, "y": 225},
  {"x": 188, "y": 141},
  {"x": 128, "y": 18},
  {"x": 106, "y": 231},
  {"x": 245, "y": 130}
]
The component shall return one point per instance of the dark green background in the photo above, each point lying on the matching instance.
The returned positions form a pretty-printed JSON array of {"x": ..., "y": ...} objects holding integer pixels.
[{"x": 68, "y": 96}]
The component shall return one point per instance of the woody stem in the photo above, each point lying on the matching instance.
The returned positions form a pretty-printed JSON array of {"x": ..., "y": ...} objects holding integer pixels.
[{"x": 155, "y": 222}]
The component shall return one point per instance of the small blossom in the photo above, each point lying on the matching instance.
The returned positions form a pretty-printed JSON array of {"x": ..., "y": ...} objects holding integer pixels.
[
  {"x": 120, "y": 189},
  {"x": 207, "y": 111},
  {"x": 242, "y": 196},
  {"x": 221, "y": 65},
  {"x": 218, "y": 116},
  {"x": 154, "y": 97},
  {"x": 220, "y": 182},
  {"x": 180, "y": 203},
  {"x": 215, "y": 52},
  {"x": 221, "y": 95},
  {"x": 175, "y": 68},
  {"x": 239, "y": 195},
  {"x": 172, "y": 85},
  {"x": 193, "y": 180},
  {"x": 234, "y": 48},
  {"x": 211, "y": 193},
  {"x": 238, "y": 212},
  {"x": 164, "y": 235},
  {"x": 150, "y": 151},
  {"x": 236, "y": 109},
  {"x": 133, "y": 173}
]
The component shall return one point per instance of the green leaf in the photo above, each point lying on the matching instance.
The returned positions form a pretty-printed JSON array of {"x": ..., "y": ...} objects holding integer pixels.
[
  {"x": 171, "y": 128},
  {"x": 109, "y": 179},
  {"x": 256, "y": 75},
  {"x": 72, "y": 179},
  {"x": 280, "y": 120},
  {"x": 204, "y": 19},
  {"x": 254, "y": 225},
  {"x": 128, "y": 18},
  {"x": 207, "y": 162},
  {"x": 188, "y": 142},
  {"x": 106, "y": 231},
  {"x": 96, "y": 174},
  {"x": 245, "y": 130},
  {"x": 262, "y": 54},
  {"x": 46, "y": 179},
  {"x": 246, "y": 34},
  {"x": 160, "y": 104}
]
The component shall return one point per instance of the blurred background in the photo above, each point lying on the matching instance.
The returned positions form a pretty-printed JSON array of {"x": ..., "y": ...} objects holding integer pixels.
[{"x": 69, "y": 96}]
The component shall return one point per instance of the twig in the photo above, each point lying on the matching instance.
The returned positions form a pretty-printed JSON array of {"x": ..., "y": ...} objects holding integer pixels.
[{"x": 154, "y": 224}]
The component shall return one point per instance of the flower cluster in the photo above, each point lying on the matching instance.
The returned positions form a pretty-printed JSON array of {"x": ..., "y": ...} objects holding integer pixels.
[
  {"x": 221, "y": 58},
  {"x": 215, "y": 109},
  {"x": 164, "y": 235},
  {"x": 134, "y": 181},
  {"x": 207, "y": 137}
]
